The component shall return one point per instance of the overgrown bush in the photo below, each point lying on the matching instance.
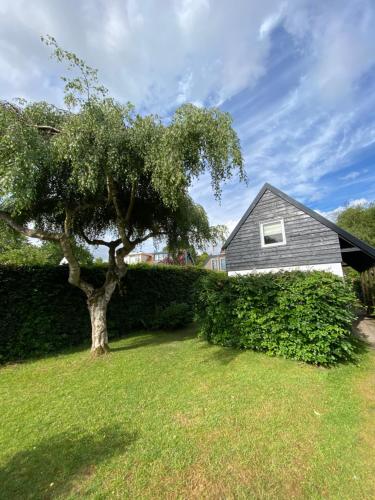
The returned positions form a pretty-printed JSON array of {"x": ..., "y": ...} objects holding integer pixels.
[
  {"x": 174, "y": 316},
  {"x": 303, "y": 316},
  {"x": 41, "y": 313}
]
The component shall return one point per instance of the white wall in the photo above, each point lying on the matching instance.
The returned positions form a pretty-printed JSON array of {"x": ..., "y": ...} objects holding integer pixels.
[{"x": 334, "y": 268}]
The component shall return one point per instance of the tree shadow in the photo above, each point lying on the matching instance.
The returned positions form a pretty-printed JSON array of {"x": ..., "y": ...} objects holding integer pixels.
[
  {"x": 221, "y": 354},
  {"x": 147, "y": 338},
  {"x": 57, "y": 464}
]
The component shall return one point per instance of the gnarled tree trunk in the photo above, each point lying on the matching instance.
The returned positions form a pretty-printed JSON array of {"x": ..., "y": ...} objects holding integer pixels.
[
  {"x": 97, "y": 304},
  {"x": 98, "y": 315}
]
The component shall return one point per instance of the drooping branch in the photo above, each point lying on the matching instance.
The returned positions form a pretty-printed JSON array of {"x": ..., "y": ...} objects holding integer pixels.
[
  {"x": 98, "y": 241},
  {"x": 31, "y": 233},
  {"x": 10, "y": 105},
  {"x": 131, "y": 205},
  {"x": 121, "y": 219},
  {"x": 18, "y": 111},
  {"x": 152, "y": 234}
]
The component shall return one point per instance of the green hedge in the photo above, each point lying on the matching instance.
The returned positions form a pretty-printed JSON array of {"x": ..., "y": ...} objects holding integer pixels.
[
  {"x": 41, "y": 313},
  {"x": 303, "y": 316}
]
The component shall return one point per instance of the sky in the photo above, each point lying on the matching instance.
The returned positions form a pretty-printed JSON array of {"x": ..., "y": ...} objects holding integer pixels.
[{"x": 297, "y": 76}]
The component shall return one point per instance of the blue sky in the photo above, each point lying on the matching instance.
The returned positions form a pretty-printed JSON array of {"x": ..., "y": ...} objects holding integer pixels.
[{"x": 298, "y": 77}]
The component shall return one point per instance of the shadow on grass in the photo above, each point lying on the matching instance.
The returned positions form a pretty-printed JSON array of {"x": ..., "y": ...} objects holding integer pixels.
[
  {"x": 147, "y": 338},
  {"x": 155, "y": 337},
  {"x": 226, "y": 355},
  {"x": 221, "y": 354},
  {"x": 56, "y": 465}
]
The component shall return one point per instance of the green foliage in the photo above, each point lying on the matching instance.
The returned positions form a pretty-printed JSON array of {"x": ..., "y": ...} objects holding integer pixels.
[
  {"x": 16, "y": 250},
  {"x": 9, "y": 239},
  {"x": 360, "y": 221},
  {"x": 201, "y": 259},
  {"x": 174, "y": 316},
  {"x": 105, "y": 167},
  {"x": 40, "y": 312},
  {"x": 303, "y": 316}
]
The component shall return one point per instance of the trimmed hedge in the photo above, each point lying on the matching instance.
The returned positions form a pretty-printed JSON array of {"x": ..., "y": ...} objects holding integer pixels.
[
  {"x": 41, "y": 313},
  {"x": 303, "y": 316}
]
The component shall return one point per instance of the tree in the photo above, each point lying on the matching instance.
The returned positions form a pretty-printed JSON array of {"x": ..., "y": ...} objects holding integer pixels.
[
  {"x": 99, "y": 173},
  {"x": 10, "y": 239},
  {"x": 51, "y": 253},
  {"x": 201, "y": 259},
  {"x": 15, "y": 249},
  {"x": 360, "y": 221}
]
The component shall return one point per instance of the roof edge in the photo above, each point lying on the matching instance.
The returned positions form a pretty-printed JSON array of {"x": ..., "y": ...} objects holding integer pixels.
[{"x": 350, "y": 238}]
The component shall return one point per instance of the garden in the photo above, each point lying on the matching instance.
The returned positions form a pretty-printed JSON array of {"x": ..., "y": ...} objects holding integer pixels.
[{"x": 169, "y": 414}]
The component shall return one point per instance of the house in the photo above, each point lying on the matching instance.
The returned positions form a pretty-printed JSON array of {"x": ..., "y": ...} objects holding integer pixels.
[
  {"x": 138, "y": 258},
  {"x": 216, "y": 262},
  {"x": 277, "y": 233},
  {"x": 183, "y": 258}
]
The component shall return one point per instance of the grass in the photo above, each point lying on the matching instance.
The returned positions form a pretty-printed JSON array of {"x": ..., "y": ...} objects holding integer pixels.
[{"x": 168, "y": 416}]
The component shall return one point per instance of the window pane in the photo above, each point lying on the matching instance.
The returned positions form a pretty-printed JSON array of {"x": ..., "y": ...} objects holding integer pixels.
[
  {"x": 272, "y": 233},
  {"x": 272, "y": 228}
]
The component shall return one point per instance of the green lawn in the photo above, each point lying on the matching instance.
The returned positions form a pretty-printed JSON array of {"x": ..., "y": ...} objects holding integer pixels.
[{"x": 168, "y": 416}]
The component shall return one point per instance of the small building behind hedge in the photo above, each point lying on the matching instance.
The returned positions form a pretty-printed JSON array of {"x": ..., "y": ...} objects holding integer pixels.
[{"x": 277, "y": 233}]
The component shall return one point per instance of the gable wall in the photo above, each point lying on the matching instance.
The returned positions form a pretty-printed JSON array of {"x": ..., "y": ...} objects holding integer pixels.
[{"x": 308, "y": 242}]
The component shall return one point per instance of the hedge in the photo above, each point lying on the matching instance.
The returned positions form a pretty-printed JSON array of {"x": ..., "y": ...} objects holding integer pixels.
[
  {"x": 303, "y": 316},
  {"x": 41, "y": 313}
]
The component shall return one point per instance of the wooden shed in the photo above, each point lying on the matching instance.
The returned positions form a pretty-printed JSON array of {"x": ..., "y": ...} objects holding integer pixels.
[{"x": 278, "y": 233}]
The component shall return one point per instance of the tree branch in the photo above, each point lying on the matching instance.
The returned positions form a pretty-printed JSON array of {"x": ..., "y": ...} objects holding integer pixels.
[
  {"x": 153, "y": 234},
  {"x": 131, "y": 205},
  {"x": 31, "y": 233},
  {"x": 48, "y": 128},
  {"x": 9, "y": 105},
  {"x": 121, "y": 220},
  {"x": 74, "y": 267},
  {"x": 98, "y": 242}
]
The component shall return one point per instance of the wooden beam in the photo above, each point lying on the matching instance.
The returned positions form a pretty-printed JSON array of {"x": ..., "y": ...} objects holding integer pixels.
[{"x": 351, "y": 249}]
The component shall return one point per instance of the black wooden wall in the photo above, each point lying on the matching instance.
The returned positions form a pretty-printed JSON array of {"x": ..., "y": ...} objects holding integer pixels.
[{"x": 307, "y": 240}]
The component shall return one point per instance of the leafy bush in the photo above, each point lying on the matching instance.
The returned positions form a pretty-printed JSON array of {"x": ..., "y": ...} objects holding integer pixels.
[
  {"x": 303, "y": 316},
  {"x": 41, "y": 313},
  {"x": 174, "y": 316}
]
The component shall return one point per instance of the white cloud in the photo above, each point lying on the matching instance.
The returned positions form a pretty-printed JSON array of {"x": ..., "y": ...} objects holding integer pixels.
[
  {"x": 333, "y": 214},
  {"x": 351, "y": 176},
  {"x": 145, "y": 51},
  {"x": 271, "y": 22},
  {"x": 293, "y": 73}
]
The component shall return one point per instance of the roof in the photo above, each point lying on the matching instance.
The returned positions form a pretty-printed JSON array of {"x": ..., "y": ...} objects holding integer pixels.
[{"x": 344, "y": 235}]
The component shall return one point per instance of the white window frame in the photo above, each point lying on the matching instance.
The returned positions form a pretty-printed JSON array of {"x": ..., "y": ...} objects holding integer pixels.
[{"x": 270, "y": 245}]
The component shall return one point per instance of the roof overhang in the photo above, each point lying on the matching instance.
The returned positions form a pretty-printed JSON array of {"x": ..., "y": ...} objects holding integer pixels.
[{"x": 355, "y": 252}]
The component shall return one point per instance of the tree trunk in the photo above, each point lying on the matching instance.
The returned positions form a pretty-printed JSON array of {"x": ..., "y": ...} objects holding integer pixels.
[
  {"x": 97, "y": 303},
  {"x": 98, "y": 314}
]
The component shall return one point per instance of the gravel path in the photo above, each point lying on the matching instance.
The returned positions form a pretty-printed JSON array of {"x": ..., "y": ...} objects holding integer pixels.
[{"x": 365, "y": 328}]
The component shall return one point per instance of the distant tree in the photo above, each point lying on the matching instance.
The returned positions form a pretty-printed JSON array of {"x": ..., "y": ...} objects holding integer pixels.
[
  {"x": 98, "y": 168},
  {"x": 360, "y": 221},
  {"x": 201, "y": 259},
  {"x": 52, "y": 253},
  {"x": 15, "y": 249}
]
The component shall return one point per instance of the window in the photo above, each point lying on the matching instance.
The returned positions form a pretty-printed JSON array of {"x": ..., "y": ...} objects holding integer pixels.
[
  {"x": 214, "y": 264},
  {"x": 222, "y": 264},
  {"x": 272, "y": 233}
]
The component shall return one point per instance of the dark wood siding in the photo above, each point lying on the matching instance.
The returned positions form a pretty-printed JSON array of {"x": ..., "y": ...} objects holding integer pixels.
[{"x": 307, "y": 240}]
